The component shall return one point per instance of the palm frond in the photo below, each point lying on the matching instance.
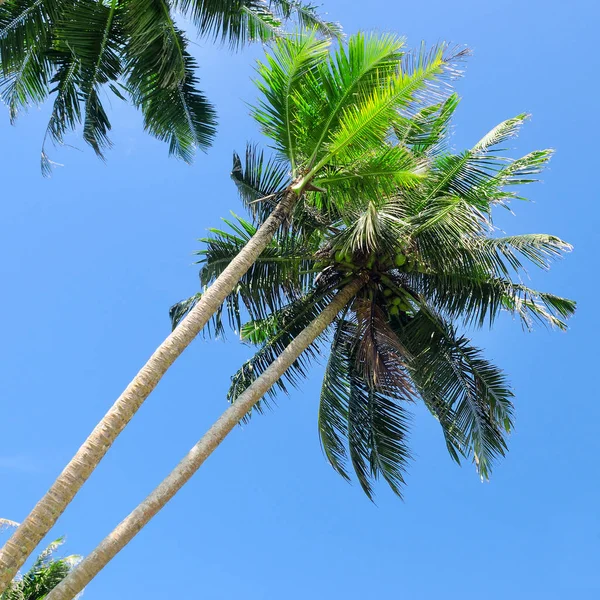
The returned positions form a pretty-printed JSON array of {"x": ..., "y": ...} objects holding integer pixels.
[
  {"x": 335, "y": 393},
  {"x": 479, "y": 298},
  {"x": 235, "y": 22},
  {"x": 45, "y": 574},
  {"x": 377, "y": 432},
  {"x": 281, "y": 273},
  {"x": 179, "y": 115},
  {"x": 66, "y": 109},
  {"x": 24, "y": 24},
  {"x": 380, "y": 174},
  {"x": 308, "y": 17},
  {"x": 181, "y": 309},
  {"x": 161, "y": 78},
  {"x": 368, "y": 123},
  {"x": 289, "y": 63},
  {"x": 91, "y": 31},
  {"x": 260, "y": 181},
  {"x": 350, "y": 74},
  {"x": 361, "y": 423},
  {"x": 27, "y": 82},
  {"x": 427, "y": 131},
  {"x": 447, "y": 368},
  {"x": 379, "y": 353},
  {"x": 276, "y": 332}
]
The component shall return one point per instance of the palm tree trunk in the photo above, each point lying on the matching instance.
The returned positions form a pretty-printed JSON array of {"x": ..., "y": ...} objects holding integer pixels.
[
  {"x": 131, "y": 525},
  {"x": 47, "y": 511}
]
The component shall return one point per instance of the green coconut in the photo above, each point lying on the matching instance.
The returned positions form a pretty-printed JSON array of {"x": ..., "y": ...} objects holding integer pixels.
[
  {"x": 399, "y": 259},
  {"x": 394, "y": 310},
  {"x": 339, "y": 256}
]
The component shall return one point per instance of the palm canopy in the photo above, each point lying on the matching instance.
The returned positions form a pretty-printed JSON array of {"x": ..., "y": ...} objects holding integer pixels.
[
  {"x": 431, "y": 262},
  {"x": 74, "y": 50}
]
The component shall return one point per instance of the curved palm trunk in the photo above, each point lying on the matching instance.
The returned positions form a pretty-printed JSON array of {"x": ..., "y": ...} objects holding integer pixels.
[
  {"x": 47, "y": 511},
  {"x": 131, "y": 525}
]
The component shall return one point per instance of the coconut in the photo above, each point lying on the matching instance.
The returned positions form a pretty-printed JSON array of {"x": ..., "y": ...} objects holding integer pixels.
[
  {"x": 399, "y": 259},
  {"x": 394, "y": 310}
]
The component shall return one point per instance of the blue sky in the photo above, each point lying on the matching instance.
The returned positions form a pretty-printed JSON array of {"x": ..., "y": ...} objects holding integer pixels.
[{"x": 93, "y": 258}]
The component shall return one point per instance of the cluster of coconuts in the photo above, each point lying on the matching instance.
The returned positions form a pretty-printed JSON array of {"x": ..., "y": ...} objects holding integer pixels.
[
  {"x": 349, "y": 262},
  {"x": 395, "y": 302}
]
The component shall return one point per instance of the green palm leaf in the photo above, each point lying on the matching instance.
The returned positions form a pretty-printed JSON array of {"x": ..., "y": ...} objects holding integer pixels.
[
  {"x": 275, "y": 333},
  {"x": 91, "y": 31},
  {"x": 260, "y": 182},
  {"x": 281, "y": 78},
  {"x": 447, "y": 368}
]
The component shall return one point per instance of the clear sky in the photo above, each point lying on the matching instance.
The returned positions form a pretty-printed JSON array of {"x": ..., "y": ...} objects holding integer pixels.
[{"x": 92, "y": 259}]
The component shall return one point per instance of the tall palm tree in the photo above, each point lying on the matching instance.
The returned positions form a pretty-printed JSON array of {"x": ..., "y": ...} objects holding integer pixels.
[
  {"x": 45, "y": 574},
  {"x": 329, "y": 116},
  {"x": 72, "y": 51},
  {"x": 393, "y": 278},
  {"x": 434, "y": 263}
]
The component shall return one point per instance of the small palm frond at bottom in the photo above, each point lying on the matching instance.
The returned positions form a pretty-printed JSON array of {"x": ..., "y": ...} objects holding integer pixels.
[{"x": 45, "y": 574}]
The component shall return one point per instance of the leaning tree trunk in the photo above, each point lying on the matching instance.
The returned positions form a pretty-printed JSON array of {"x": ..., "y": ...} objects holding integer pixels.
[
  {"x": 47, "y": 511},
  {"x": 90, "y": 566}
]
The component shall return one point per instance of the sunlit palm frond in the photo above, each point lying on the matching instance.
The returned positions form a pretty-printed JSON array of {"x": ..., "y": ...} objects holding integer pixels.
[
  {"x": 368, "y": 123},
  {"x": 427, "y": 132},
  {"x": 280, "y": 80}
]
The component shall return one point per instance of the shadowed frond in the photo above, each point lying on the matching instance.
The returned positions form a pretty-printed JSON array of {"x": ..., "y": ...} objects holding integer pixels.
[
  {"x": 281, "y": 273},
  {"x": 179, "y": 311},
  {"x": 307, "y": 15},
  {"x": 260, "y": 182},
  {"x": 91, "y": 31},
  {"x": 478, "y": 298},
  {"x": 236, "y": 22},
  {"x": 447, "y": 369},
  {"x": 274, "y": 333}
]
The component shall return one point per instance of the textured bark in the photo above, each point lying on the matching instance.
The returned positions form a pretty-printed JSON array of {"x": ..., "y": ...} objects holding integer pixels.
[
  {"x": 131, "y": 525},
  {"x": 47, "y": 511}
]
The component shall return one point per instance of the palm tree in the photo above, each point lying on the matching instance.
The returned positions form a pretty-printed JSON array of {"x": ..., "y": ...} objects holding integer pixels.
[
  {"x": 391, "y": 279},
  {"x": 72, "y": 51},
  {"x": 434, "y": 263},
  {"x": 44, "y": 575},
  {"x": 329, "y": 116}
]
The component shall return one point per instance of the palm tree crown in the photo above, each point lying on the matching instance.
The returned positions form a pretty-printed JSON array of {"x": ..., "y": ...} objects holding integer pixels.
[
  {"x": 431, "y": 262},
  {"x": 72, "y": 50}
]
